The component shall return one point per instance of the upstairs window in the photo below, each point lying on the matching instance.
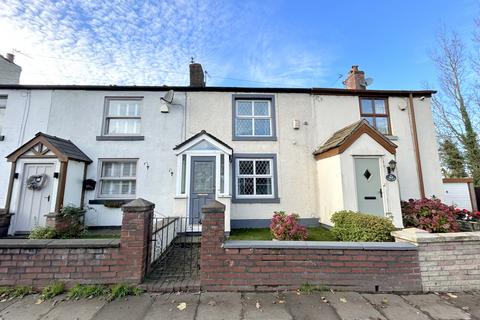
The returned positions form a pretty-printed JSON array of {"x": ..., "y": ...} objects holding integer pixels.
[
  {"x": 254, "y": 119},
  {"x": 122, "y": 117},
  {"x": 118, "y": 179},
  {"x": 375, "y": 111}
]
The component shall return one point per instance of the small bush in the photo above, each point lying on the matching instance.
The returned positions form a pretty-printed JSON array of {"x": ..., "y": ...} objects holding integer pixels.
[
  {"x": 356, "y": 226},
  {"x": 122, "y": 290},
  {"x": 286, "y": 227},
  {"x": 52, "y": 290},
  {"x": 87, "y": 291},
  {"x": 43, "y": 233},
  {"x": 429, "y": 214}
]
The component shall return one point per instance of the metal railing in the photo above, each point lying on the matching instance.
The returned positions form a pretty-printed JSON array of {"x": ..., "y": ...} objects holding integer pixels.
[{"x": 175, "y": 248}]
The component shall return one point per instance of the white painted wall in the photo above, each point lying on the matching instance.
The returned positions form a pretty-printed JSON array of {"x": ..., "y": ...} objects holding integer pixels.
[
  {"x": 73, "y": 184},
  {"x": 458, "y": 195},
  {"x": 77, "y": 115},
  {"x": 330, "y": 190}
]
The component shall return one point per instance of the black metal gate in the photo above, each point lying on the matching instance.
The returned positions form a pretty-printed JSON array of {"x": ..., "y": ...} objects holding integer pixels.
[{"x": 175, "y": 249}]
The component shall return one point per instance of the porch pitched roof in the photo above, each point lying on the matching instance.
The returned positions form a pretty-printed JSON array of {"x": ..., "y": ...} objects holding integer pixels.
[
  {"x": 64, "y": 149},
  {"x": 346, "y": 136},
  {"x": 198, "y": 135}
]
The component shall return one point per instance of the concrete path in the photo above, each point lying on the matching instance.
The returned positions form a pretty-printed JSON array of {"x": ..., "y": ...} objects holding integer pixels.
[{"x": 243, "y": 306}]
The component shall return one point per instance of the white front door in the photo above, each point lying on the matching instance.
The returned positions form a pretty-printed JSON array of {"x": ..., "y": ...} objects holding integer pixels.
[
  {"x": 35, "y": 203},
  {"x": 369, "y": 188}
]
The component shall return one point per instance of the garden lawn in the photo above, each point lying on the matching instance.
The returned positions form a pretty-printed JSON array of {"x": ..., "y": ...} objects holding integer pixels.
[{"x": 314, "y": 234}]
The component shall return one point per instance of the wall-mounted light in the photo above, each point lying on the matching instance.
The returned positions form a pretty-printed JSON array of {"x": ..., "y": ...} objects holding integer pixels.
[{"x": 392, "y": 164}]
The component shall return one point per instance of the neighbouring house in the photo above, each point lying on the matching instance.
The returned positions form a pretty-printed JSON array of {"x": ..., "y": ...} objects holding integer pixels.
[{"x": 312, "y": 151}]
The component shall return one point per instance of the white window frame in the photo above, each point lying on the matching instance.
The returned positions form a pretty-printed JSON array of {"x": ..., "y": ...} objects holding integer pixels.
[
  {"x": 253, "y": 117},
  {"x": 101, "y": 178},
  {"x": 106, "y": 117},
  {"x": 254, "y": 176}
]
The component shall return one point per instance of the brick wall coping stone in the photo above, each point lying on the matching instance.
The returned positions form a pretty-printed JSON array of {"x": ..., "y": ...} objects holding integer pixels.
[
  {"x": 59, "y": 243},
  {"x": 415, "y": 235},
  {"x": 138, "y": 205},
  {"x": 327, "y": 245}
]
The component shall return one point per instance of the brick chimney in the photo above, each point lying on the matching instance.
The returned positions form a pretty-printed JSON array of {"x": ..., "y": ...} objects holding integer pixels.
[
  {"x": 197, "y": 78},
  {"x": 355, "y": 79}
]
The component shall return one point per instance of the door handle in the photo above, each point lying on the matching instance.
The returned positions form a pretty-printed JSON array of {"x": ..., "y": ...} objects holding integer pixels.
[
  {"x": 48, "y": 198},
  {"x": 381, "y": 193},
  {"x": 370, "y": 198}
]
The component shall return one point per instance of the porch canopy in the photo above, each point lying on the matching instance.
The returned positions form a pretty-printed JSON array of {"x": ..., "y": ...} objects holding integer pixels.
[
  {"x": 203, "y": 144},
  {"x": 45, "y": 147}
]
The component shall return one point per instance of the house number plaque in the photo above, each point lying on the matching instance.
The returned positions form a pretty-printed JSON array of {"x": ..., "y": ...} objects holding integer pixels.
[{"x": 391, "y": 177}]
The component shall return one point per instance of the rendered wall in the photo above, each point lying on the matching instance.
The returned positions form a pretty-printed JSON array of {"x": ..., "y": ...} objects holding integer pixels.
[
  {"x": 74, "y": 184},
  {"x": 330, "y": 199}
]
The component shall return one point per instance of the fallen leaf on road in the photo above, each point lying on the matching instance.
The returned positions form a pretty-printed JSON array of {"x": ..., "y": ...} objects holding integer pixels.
[
  {"x": 182, "y": 306},
  {"x": 342, "y": 299},
  {"x": 39, "y": 301},
  {"x": 324, "y": 299},
  {"x": 451, "y": 295},
  {"x": 385, "y": 301},
  {"x": 257, "y": 305},
  {"x": 212, "y": 303},
  {"x": 281, "y": 301}
]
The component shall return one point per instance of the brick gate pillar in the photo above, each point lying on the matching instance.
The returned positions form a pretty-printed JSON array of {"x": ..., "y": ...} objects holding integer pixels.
[
  {"x": 213, "y": 235},
  {"x": 136, "y": 234}
]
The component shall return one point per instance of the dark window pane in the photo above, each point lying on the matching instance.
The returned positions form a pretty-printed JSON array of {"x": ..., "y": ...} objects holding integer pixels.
[
  {"x": 262, "y": 167},
  {"x": 245, "y": 186},
  {"x": 264, "y": 186},
  {"x": 245, "y": 167}
]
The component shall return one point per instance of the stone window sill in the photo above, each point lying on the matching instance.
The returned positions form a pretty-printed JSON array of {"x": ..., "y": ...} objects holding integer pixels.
[{"x": 120, "y": 138}]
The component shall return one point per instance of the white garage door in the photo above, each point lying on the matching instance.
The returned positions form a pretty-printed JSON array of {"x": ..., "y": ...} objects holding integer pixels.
[{"x": 457, "y": 194}]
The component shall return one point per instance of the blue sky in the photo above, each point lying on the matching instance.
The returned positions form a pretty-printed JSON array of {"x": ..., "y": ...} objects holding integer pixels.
[{"x": 240, "y": 43}]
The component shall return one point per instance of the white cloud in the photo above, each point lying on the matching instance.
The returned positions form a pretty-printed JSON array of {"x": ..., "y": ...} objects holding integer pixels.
[{"x": 150, "y": 42}]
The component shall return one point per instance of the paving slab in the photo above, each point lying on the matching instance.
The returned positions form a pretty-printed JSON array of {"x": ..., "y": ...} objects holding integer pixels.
[
  {"x": 220, "y": 306},
  {"x": 307, "y": 307},
  {"x": 26, "y": 309},
  {"x": 394, "y": 307},
  {"x": 83, "y": 309},
  {"x": 268, "y": 307},
  {"x": 131, "y": 308},
  {"x": 352, "y": 306},
  {"x": 467, "y": 302},
  {"x": 165, "y": 307},
  {"x": 4, "y": 304},
  {"x": 436, "y": 307}
]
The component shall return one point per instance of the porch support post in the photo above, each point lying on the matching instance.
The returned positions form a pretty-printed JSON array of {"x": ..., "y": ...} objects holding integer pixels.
[
  {"x": 10, "y": 187},
  {"x": 62, "y": 179}
]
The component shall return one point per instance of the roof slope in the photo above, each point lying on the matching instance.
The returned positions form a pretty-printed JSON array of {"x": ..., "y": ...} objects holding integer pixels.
[
  {"x": 62, "y": 148},
  {"x": 344, "y": 137},
  {"x": 203, "y": 132}
]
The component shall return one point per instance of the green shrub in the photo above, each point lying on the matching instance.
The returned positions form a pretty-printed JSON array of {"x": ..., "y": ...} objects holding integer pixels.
[
  {"x": 43, "y": 233},
  {"x": 356, "y": 226},
  {"x": 122, "y": 290},
  {"x": 15, "y": 292},
  {"x": 52, "y": 290},
  {"x": 87, "y": 291}
]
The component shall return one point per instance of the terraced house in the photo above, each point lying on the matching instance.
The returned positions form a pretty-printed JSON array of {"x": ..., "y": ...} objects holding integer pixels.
[{"x": 312, "y": 151}]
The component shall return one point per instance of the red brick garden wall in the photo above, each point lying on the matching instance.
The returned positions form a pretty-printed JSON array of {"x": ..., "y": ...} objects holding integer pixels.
[
  {"x": 269, "y": 265},
  {"x": 38, "y": 262}
]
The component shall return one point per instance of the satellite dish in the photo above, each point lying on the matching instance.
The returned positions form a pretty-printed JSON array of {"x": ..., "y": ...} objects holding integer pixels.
[
  {"x": 166, "y": 101},
  {"x": 368, "y": 81},
  {"x": 168, "y": 96}
]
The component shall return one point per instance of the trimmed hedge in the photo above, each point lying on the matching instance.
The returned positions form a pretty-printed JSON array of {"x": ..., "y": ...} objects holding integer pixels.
[{"x": 357, "y": 226}]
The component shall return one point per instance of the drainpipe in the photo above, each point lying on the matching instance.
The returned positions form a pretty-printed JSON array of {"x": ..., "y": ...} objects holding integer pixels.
[{"x": 413, "y": 124}]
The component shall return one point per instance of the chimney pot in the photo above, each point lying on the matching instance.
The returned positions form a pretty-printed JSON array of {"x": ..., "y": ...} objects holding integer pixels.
[
  {"x": 10, "y": 57},
  {"x": 197, "y": 77},
  {"x": 355, "y": 79}
]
